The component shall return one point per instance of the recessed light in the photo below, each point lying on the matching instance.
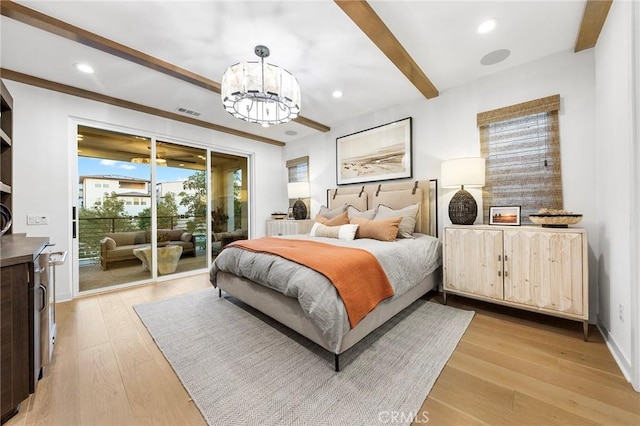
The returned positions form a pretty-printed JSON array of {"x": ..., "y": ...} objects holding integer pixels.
[
  {"x": 86, "y": 68},
  {"x": 290, "y": 133},
  {"x": 486, "y": 26},
  {"x": 336, "y": 94}
]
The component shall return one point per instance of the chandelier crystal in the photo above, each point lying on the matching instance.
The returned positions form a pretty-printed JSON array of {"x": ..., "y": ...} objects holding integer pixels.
[{"x": 260, "y": 93}]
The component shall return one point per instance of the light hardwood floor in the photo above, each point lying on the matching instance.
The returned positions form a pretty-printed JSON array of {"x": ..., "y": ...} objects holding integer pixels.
[{"x": 510, "y": 368}]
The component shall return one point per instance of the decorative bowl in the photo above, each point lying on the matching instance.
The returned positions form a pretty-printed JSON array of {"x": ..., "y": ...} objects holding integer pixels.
[
  {"x": 555, "y": 220},
  {"x": 278, "y": 215},
  {"x": 5, "y": 219}
]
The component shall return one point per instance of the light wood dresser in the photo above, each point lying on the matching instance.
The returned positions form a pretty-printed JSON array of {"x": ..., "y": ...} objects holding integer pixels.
[{"x": 529, "y": 267}]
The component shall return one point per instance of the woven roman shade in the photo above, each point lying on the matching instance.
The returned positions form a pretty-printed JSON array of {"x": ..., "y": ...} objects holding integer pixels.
[
  {"x": 521, "y": 145},
  {"x": 298, "y": 169}
]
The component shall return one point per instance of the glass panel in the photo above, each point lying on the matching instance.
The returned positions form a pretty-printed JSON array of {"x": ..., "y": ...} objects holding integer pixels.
[
  {"x": 229, "y": 200},
  {"x": 181, "y": 197},
  {"x": 114, "y": 192}
]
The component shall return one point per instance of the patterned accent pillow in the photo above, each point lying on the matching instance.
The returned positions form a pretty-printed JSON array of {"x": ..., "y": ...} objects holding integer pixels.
[
  {"x": 379, "y": 229},
  {"x": 163, "y": 237},
  {"x": 343, "y": 232},
  {"x": 409, "y": 216},
  {"x": 341, "y": 219}
]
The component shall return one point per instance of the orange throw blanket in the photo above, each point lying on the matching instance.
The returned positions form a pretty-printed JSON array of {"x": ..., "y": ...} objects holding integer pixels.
[{"x": 355, "y": 273}]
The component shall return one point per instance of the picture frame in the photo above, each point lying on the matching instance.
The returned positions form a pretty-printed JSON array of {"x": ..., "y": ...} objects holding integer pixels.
[
  {"x": 504, "y": 215},
  {"x": 376, "y": 154}
]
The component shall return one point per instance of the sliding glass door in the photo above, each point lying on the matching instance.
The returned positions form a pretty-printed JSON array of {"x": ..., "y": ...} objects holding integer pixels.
[
  {"x": 181, "y": 208},
  {"x": 152, "y": 208},
  {"x": 229, "y": 200}
]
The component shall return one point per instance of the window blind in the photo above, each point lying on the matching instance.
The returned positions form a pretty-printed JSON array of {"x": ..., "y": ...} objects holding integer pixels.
[
  {"x": 298, "y": 169},
  {"x": 521, "y": 146}
]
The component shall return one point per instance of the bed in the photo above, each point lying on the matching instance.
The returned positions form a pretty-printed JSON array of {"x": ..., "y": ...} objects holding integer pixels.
[{"x": 279, "y": 287}]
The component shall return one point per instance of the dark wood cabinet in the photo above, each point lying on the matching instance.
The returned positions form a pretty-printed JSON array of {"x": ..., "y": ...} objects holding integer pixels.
[
  {"x": 22, "y": 299},
  {"x": 14, "y": 323}
]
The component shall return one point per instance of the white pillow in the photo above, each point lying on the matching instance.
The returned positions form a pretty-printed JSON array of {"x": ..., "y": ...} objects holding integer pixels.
[
  {"x": 343, "y": 232},
  {"x": 409, "y": 215}
]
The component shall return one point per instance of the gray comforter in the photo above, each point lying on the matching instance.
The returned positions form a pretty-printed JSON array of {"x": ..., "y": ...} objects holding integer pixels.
[{"x": 405, "y": 261}]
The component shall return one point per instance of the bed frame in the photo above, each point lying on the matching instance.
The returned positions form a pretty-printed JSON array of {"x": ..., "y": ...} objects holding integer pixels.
[{"x": 287, "y": 310}]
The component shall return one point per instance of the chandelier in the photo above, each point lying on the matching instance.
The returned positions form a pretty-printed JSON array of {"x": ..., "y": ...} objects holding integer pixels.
[{"x": 260, "y": 93}]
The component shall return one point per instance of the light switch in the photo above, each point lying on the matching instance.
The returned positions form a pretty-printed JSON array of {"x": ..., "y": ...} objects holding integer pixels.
[{"x": 37, "y": 219}]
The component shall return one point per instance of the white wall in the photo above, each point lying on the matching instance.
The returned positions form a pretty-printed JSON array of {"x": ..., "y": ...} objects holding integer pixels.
[
  {"x": 445, "y": 127},
  {"x": 616, "y": 190},
  {"x": 44, "y": 152}
]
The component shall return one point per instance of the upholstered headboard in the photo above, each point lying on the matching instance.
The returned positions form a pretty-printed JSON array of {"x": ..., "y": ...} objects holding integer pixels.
[{"x": 394, "y": 195}]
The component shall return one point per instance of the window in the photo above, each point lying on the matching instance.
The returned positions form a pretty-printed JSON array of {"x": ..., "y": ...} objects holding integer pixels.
[
  {"x": 521, "y": 145},
  {"x": 298, "y": 169}
]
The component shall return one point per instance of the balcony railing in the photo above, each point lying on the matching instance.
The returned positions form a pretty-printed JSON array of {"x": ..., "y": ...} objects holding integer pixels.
[{"x": 92, "y": 230}]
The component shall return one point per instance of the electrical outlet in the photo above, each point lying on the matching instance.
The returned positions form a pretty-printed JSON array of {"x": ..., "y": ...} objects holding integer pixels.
[
  {"x": 37, "y": 219},
  {"x": 621, "y": 312}
]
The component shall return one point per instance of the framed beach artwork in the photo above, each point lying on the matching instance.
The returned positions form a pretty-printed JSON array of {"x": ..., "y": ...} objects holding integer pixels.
[
  {"x": 507, "y": 215},
  {"x": 380, "y": 153}
]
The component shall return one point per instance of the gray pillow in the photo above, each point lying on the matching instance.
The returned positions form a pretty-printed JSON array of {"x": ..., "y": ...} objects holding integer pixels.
[
  {"x": 409, "y": 216},
  {"x": 354, "y": 212},
  {"x": 330, "y": 214}
]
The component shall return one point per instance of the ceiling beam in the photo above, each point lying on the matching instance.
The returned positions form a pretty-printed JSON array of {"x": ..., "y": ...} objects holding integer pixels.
[
  {"x": 86, "y": 94},
  {"x": 363, "y": 15},
  {"x": 593, "y": 18},
  {"x": 60, "y": 28}
]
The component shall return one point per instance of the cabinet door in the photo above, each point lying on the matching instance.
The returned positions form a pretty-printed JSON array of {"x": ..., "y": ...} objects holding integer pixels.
[
  {"x": 473, "y": 261},
  {"x": 544, "y": 269},
  {"x": 14, "y": 337}
]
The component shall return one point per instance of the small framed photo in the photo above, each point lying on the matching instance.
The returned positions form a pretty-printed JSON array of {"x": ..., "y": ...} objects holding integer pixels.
[{"x": 504, "y": 215}]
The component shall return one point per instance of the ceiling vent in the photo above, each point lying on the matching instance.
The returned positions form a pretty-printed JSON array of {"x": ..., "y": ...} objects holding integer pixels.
[{"x": 188, "y": 111}]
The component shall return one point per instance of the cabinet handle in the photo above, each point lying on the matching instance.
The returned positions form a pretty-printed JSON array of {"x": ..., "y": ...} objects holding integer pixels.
[
  {"x": 506, "y": 274},
  {"x": 499, "y": 274},
  {"x": 44, "y": 298},
  {"x": 506, "y": 258},
  {"x": 499, "y": 258}
]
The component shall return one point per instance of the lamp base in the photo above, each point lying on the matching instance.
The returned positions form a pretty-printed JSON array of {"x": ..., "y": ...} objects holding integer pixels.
[
  {"x": 299, "y": 210},
  {"x": 463, "y": 208}
]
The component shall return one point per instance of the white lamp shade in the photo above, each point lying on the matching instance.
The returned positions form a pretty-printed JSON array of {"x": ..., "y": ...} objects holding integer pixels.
[
  {"x": 298, "y": 189},
  {"x": 462, "y": 171}
]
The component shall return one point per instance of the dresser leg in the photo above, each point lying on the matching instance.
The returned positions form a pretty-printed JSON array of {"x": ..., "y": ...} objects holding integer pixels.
[
  {"x": 585, "y": 330},
  {"x": 444, "y": 297}
]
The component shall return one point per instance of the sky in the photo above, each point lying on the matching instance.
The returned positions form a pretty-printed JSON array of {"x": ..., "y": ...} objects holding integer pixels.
[{"x": 96, "y": 166}]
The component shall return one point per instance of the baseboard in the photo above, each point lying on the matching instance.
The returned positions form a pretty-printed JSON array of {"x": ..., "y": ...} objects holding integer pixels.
[{"x": 618, "y": 356}]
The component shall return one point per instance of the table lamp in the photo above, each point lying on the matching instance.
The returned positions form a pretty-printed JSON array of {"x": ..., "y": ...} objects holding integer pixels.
[
  {"x": 461, "y": 172},
  {"x": 299, "y": 190}
]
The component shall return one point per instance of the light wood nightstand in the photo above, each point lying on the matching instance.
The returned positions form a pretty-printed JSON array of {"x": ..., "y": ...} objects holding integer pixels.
[
  {"x": 277, "y": 227},
  {"x": 538, "y": 269}
]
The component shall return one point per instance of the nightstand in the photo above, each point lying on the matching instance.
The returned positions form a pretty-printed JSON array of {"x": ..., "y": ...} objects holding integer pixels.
[
  {"x": 539, "y": 269},
  {"x": 288, "y": 227}
]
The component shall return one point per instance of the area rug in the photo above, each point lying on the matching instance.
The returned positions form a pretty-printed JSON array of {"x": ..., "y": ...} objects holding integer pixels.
[{"x": 240, "y": 367}]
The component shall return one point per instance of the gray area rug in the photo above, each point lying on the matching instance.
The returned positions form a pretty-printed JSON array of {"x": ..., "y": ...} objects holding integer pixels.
[{"x": 242, "y": 368}]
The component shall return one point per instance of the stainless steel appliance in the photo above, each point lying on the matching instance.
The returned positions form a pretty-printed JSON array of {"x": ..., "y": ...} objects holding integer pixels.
[{"x": 45, "y": 308}]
